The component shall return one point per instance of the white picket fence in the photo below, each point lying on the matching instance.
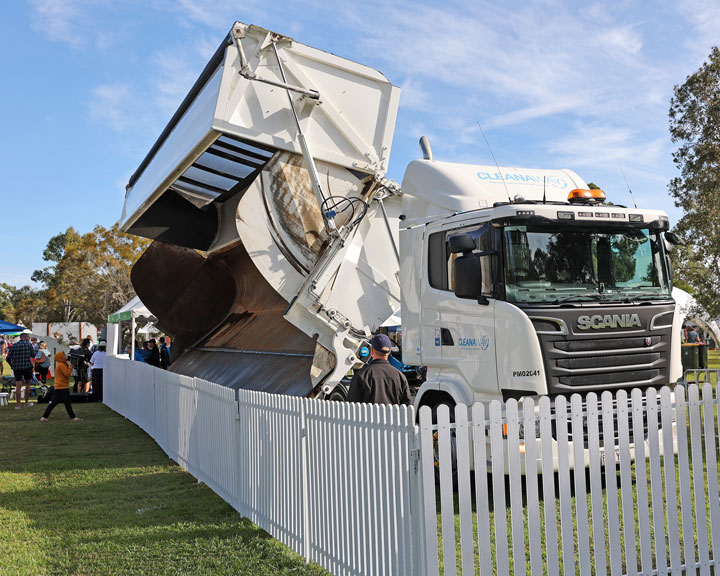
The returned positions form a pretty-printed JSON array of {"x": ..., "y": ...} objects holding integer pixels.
[
  {"x": 332, "y": 481},
  {"x": 352, "y": 487},
  {"x": 656, "y": 512}
]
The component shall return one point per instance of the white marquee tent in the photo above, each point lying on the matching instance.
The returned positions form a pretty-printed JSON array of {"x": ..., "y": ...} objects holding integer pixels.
[
  {"x": 131, "y": 312},
  {"x": 695, "y": 314}
]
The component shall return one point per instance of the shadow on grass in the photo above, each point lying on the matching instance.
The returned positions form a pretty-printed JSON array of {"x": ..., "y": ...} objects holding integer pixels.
[
  {"x": 100, "y": 497},
  {"x": 131, "y": 500},
  {"x": 102, "y": 440}
]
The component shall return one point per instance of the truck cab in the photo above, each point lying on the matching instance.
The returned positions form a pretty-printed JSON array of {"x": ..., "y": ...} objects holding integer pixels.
[{"x": 532, "y": 292}]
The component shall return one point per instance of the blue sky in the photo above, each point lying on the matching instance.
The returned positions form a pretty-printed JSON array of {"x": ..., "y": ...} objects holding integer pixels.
[{"x": 88, "y": 85}]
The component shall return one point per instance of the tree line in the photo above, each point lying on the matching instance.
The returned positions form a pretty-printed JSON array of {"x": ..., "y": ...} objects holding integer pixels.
[
  {"x": 695, "y": 129},
  {"x": 86, "y": 279}
]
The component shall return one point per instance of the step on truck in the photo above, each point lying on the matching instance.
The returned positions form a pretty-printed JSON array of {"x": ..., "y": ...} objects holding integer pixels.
[{"x": 280, "y": 246}]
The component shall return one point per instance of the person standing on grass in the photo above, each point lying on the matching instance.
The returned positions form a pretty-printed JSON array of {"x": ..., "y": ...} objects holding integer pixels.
[
  {"x": 98, "y": 364},
  {"x": 20, "y": 359},
  {"x": 693, "y": 337},
  {"x": 63, "y": 370},
  {"x": 3, "y": 352},
  {"x": 154, "y": 357},
  {"x": 164, "y": 353},
  {"x": 42, "y": 361},
  {"x": 378, "y": 382},
  {"x": 84, "y": 364}
]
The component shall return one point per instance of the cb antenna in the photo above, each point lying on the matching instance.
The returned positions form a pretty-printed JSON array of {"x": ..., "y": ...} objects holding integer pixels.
[
  {"x": 496, "y": 163},
  {"x": 543, "y": 189},
  {"x": 628, "y": 186}
]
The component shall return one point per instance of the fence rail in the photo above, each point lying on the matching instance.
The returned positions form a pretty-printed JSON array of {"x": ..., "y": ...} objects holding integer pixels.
[{"x": 609, "y": 484}]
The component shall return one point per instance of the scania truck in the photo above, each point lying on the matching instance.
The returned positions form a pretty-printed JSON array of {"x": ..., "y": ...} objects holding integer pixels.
[{"x": 280, "y": 246}]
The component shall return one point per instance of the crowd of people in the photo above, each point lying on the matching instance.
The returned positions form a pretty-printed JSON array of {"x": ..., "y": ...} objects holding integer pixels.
[
  {"x": 153, "y": 352},
  {"x": 30, "y": 361},
  {"x": 692, "y": 334},
  {"x": 377, "y": 382}
]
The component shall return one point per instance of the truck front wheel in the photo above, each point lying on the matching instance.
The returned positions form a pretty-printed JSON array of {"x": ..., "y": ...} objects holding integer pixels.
[{"x": 339, "y": 393}]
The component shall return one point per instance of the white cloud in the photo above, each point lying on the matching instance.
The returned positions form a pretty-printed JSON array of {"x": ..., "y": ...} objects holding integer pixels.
[
  {"x": 413, "y": 95},
  {"x": 174, "y": 73},
  {"x": 607, "y": 144},
  {"x": 621, "y": 41},
  {"x": 219, "y": 14},
  {"x": 205, "y": 47},
  {"x": 79, "y": 23},
  {"x": 59, "y": 19},
  {"x": 538, "y": 62},
  {"x": 562, "y": 104},
  {"x": 704, "y": 17},
  {"x": 139, "y": 110},
  {"x": 597, "y": 12},
  {"x": 112, "y": 106}
]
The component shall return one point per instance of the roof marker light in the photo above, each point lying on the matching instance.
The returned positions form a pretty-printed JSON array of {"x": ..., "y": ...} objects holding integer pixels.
[{"x": 581, "y": 196}]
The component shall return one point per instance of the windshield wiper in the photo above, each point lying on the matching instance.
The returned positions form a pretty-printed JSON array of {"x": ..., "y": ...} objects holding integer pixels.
[
  {"x": 644, "y": 293},
  {"x": 588, "y": 295},
  {"x": 655, "y": 296}
]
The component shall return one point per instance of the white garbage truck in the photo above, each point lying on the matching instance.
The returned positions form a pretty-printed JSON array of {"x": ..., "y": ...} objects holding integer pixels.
[{"x": 280, "y": 246}]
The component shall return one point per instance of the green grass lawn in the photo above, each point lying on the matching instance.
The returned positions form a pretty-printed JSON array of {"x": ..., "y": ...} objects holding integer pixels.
[
  {"x": 713, "y": 364},
  {"x": 100, "y": 497},
  {"x": 714, "y": 359}
]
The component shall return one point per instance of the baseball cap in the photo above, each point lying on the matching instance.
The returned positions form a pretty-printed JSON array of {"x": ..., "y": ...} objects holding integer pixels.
[{"x": 381, "y": 343}]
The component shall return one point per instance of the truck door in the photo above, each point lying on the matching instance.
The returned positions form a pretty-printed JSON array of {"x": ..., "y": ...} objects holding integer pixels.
[
  {"x": 466, "y": 327},
  {"x": 432, "y": 337}
]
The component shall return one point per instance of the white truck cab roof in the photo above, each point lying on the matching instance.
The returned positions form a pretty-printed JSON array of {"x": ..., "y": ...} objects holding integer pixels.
[{"x": 432, "y": 188}]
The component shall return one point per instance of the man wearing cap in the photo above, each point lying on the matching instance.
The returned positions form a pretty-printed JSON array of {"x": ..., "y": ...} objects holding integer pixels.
[
  {"x": 378, "y": 382},
  {"x": 20, "y": 359}
]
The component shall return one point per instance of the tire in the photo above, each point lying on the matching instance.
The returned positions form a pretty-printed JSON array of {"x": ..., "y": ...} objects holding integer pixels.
[{"x": 339, "y": 393}]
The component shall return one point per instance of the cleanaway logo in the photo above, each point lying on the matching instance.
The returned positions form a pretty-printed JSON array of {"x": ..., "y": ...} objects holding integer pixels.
[{"x": 552, "y": 181}]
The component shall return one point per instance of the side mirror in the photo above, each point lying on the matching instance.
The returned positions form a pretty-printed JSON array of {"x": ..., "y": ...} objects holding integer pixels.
[
  {"x": 467, "y": 277},
  {"x": 461, "y": 243},
  {"x": 467, "y": 269},
  {"x": 674, "y": 239}
]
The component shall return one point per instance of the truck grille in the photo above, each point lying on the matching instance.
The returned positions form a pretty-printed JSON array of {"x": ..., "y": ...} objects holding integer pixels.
[
  {"x": 598, "y": 344},
  {"x": 605, "y": 361},
  {"x": 580, "y": 360}
]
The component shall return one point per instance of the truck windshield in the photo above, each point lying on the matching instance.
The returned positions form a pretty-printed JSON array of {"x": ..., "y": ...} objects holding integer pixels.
[{"x": 554, "y": 265}]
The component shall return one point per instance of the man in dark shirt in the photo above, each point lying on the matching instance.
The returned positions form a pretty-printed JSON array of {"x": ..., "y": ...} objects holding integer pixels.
[
  {"x": 154, "y": 357},
  {"x": 378, "y": 382},
  {"x": 164, "y": 353},
  {"x": 20, "y": 359}
]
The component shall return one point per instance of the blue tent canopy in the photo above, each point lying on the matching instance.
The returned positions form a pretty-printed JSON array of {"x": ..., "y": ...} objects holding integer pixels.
[{"x": 9, "y": 328}]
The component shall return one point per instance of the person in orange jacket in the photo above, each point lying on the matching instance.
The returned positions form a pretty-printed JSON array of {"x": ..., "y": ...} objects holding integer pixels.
[{"x": 63, "y": 370}]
